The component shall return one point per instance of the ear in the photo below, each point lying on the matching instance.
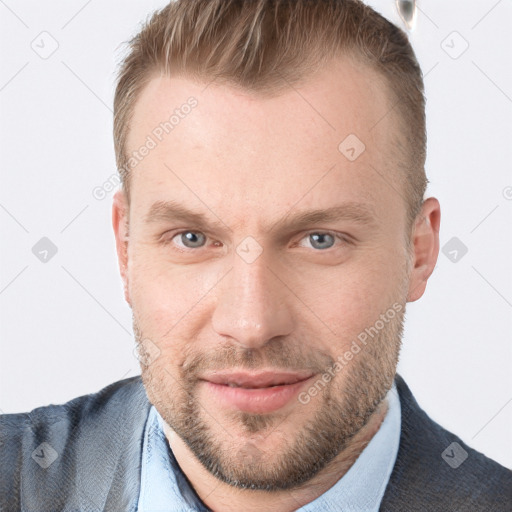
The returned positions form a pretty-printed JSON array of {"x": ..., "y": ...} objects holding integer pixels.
[
  {"x": 120, "y": 223},
  {"x": 425, "y": 237}
]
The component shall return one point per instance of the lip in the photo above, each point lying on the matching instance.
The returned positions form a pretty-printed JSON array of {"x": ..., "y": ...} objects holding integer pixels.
[
  {"x": 262, "y": 392},
  {"x": 257, "y": 380}
]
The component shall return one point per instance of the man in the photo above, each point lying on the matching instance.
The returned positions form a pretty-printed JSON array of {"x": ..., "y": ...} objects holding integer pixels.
[{"x": 270, "y": 230}]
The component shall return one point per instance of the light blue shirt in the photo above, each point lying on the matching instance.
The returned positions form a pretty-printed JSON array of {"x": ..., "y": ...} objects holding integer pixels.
[{"x": 164, "y": 487}]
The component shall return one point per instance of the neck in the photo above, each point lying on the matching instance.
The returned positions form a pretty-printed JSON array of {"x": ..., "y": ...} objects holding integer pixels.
[{"x": 221, "y": 497}]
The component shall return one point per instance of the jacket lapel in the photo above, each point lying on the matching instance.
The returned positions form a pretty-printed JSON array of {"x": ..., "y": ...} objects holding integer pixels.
[{"x": 110, "y": 450}]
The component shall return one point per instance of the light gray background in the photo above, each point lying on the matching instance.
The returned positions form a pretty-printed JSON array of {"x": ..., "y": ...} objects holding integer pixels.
[{"x": 65, "y": 328}]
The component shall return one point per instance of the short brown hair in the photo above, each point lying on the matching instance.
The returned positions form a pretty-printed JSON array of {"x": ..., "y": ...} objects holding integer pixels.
[{"x": 265, "y": 45}]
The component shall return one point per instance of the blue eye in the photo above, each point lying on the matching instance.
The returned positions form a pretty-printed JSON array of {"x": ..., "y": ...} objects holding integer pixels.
[
  {"x": 321, "y": 240},
  {"x": 191, "y": 239}
]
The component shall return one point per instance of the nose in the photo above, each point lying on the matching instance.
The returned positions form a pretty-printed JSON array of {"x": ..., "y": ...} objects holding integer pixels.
[{"x": 252, "y": 304}]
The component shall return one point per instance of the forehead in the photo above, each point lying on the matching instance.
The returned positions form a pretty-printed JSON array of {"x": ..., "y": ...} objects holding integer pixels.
[{"x": 317, "y": 143}]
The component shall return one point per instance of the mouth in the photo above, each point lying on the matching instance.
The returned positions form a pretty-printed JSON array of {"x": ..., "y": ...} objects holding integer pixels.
[
  {"x": 257, "y": 380},
  {"x": 259, "y": 393}
]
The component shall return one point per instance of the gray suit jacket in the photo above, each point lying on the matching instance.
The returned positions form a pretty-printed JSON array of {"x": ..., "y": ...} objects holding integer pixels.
[{"x": 85, "y": 455}]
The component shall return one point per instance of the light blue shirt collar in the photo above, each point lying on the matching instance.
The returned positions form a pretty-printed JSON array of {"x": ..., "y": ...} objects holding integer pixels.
[{"x": 164, "y": 487}]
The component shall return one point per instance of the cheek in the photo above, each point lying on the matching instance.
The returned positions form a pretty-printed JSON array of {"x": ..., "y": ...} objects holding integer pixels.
[
  {"x": 352, "y": 297},
  {"x": 169, "y": 297}
]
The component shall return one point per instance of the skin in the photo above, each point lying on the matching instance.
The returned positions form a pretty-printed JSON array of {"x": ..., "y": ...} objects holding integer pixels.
[{"x": 247, "y": 162}]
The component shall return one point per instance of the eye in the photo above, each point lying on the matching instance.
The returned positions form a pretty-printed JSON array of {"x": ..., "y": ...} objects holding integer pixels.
[
  {"x": 189, "y": 239},
  {"x": 322, "y": 240}
]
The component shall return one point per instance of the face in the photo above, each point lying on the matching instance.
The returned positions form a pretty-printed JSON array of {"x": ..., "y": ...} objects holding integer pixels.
[{"x": 266, "y": 268}]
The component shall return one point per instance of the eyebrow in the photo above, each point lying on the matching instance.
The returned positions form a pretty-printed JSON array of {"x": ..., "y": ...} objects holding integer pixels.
[{"x": 360, "y": 213}]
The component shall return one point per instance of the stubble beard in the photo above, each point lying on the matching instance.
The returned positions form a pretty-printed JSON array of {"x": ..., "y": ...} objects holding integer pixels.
[{"x": 343, "y": 408}]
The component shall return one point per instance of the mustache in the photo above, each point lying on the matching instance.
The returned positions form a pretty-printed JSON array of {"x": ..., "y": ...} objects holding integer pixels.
[{"x": 278, "y": 354}]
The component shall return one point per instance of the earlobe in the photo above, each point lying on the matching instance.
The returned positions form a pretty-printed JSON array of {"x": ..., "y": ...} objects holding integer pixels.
[
  {"x": 120, "y": 218},
  {"x": 426, "y": 247}
]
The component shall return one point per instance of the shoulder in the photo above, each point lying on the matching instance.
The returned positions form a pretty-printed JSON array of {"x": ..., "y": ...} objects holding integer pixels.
[
  {"x": 436, "y": 470},
  {"x": 43, "y": 435},
  {"x": 15, "y": 425}
]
